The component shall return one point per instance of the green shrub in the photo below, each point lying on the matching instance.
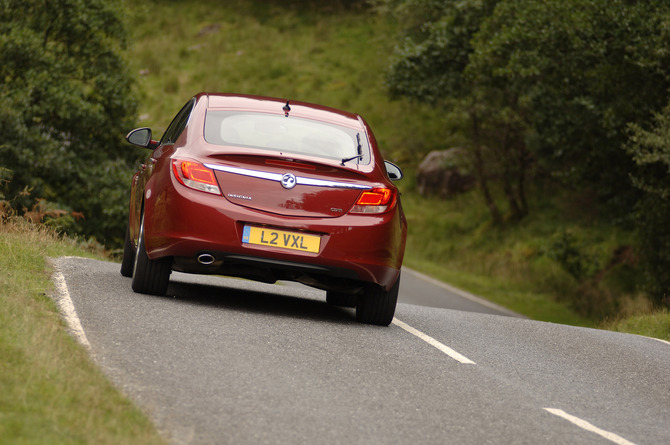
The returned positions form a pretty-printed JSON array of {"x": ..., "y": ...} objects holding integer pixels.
[{"x": 572, "y": 255}]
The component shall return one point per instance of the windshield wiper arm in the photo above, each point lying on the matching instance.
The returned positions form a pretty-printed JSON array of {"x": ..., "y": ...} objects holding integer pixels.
[
  {"x": 351, "y": 158},
  {"x": 359, "y": 149}
]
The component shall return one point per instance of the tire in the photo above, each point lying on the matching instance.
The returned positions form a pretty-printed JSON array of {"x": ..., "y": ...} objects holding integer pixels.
[
  {"x": 377, "y": 306},
  {"x": 150, "y": 276},
  {"x": 340, "y": 299},
  {"x": 128, "y": 261}
]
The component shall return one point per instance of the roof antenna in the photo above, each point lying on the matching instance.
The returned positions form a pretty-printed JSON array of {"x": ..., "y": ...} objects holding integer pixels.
[{"x": 286, "y": 109}]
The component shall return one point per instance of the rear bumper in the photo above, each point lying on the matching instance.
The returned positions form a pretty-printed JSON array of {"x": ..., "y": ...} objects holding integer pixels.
[{"x": 184, "y": 223}]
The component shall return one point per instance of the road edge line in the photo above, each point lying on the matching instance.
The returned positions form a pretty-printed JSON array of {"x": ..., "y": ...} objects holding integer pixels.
[
  {"x": 65, "y": 304},
  {"x": 658, "y": 339}
]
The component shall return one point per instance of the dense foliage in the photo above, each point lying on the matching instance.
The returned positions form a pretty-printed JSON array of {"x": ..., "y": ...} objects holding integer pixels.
[
  {"x": 651, "y": 152},
  {"x": 553, "y": 88},
  {"x": 65, "y": 105}
]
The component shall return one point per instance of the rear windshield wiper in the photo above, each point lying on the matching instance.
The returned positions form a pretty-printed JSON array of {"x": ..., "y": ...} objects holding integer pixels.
[
  {"x": 351, "y": 158},
  {"x": 359, "y": 149}
]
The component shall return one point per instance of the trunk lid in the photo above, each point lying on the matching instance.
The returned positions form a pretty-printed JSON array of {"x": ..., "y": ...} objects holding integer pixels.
[{"x": 288, "y": 187}]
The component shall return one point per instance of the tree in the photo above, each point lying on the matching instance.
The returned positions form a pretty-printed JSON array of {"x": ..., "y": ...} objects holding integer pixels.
[
  {"x": 555, "y": 82},
  {"x": 585, "y": 70},
  {"x": 65, "y": 105},
  {"x": 431, "y": 66}
]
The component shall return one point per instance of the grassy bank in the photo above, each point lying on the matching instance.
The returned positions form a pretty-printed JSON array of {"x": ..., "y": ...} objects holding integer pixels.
[
  {"x": 555, "y": 265},
  {"x": 50, "y": 390}
]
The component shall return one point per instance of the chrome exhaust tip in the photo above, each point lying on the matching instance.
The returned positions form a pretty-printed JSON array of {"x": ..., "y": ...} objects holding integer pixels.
[{"x": 206, "y": 259}]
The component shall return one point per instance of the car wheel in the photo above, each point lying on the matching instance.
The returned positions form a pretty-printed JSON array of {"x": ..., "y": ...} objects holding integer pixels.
[
  {"x": 128, "y": 261},
  {"x": 149, "y": 276},
  {"x": 340, "y": 299},
  {"x": 376, "y": 305}
]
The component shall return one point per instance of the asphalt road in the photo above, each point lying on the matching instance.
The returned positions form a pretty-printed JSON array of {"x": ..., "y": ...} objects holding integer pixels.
[
  {"x": 417, "y": 288},
  {"x": 227, "y": 361}
]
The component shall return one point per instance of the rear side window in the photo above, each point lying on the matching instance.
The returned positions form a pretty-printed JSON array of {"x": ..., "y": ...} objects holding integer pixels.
[
  {"x": 178, "y": 123},
  {"x": 285, "y": 134}
]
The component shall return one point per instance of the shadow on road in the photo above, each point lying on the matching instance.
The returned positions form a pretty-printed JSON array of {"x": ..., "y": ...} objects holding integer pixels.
[{"x": 280, "y": 304}]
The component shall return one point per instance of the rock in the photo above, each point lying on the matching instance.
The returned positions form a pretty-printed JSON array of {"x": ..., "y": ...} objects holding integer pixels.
[
  {"x": 442, "y": 173},
  {"x": 209, "y": 29}
]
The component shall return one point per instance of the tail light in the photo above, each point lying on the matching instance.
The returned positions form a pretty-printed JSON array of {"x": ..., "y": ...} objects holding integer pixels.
[
  {"x": 377, "y": 200},
  {"x": 196, "y": 176}
]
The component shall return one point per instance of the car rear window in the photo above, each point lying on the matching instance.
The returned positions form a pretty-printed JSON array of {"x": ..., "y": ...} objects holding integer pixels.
[{"x": 284, "y": 134}]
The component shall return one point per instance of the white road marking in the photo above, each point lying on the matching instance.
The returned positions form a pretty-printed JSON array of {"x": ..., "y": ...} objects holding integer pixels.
[
  {"x": 67, "y": 307},
  {"x": 589, "y": 427},
  {"x": 661, "y": 340},
  {"x": 431, "y": 341}
]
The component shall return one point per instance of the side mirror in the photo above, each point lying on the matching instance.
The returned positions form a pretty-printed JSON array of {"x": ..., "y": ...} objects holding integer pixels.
[
  {"x": 141, "y": 137},
  {"x": 394, "y": 172}
]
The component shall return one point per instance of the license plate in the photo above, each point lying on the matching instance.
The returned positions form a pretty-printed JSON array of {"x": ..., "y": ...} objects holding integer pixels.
[{"x": 281, "y": 239}]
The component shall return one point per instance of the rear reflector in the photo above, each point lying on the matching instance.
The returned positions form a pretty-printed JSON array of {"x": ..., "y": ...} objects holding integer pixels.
[{"x": 196, "y": 176}]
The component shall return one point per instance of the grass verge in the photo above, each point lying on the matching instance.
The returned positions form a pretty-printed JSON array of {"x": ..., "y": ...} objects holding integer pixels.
[
  {"x": 654, "y": 324},
  {"x": 50, "y": 390},
  {"x": 552, "y": 266}
]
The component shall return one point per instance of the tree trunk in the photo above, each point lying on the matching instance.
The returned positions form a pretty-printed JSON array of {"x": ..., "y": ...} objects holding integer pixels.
[
  {"x": 521, "y": 186},
  {"x": 481, "y": 173},
  {"x": 511, "y": 197}
]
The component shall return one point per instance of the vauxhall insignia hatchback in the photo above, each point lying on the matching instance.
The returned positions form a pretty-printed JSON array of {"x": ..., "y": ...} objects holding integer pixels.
[{"x": 268, "y": 189}]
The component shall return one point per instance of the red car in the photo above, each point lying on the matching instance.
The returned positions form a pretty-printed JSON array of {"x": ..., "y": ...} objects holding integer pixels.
[{"x": 268, "y": 189}]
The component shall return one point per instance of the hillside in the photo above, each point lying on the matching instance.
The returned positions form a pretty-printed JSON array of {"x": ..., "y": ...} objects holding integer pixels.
[{"x": 330, "y": 55}]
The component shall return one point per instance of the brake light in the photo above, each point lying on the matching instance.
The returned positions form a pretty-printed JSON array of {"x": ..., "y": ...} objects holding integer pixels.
[
  {"x": 196, "y": 176},
  {"x": 377, "y": 200}
]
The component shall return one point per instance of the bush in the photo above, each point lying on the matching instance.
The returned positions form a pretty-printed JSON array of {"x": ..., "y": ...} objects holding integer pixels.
[{"x": 571, "y": 254}]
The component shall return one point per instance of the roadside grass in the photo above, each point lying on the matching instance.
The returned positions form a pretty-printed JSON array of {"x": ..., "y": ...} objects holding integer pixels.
[
  {"x": 50, "y": 390},
  {"x": 454, "y": 241},
  {"x": 520, "y": 265},
  {"x": 652, "y": 324}
]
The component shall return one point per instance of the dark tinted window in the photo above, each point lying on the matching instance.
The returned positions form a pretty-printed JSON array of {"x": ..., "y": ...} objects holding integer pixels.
[{"x": 178, "y": 123}]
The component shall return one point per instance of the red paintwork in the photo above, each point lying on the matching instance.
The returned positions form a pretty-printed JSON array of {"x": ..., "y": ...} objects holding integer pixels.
[{"x": 181, "y": 222}]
